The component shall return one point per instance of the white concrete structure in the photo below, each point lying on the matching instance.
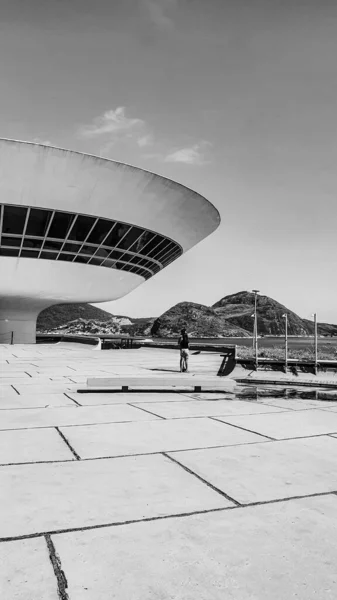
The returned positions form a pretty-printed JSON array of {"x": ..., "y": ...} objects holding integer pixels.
[{"x": 79, "y": 212}]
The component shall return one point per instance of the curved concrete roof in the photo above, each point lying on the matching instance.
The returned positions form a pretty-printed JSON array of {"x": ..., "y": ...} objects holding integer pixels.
[{"x": 44, "y": 176}]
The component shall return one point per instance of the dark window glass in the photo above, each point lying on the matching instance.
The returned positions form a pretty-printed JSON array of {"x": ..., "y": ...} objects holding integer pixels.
[
  {"x": 116, "y": 235},
  {"x": 102, "y": 252},
  {"x": 68, "y": 257},
  {"x": 135, "y": 260},
  {"x": 38, "y": 221},
  {"x": 14, "y": 219},
  {"x": 81, "y": 259},
  {"x": 138, "y": 271},
  {"x": 169, "y": 257},
  {"x": 144, "y": 262},
  {"x": 157, "y": 249},
  {"x": 30, "y": 253},
  {"x": 115, "y": 254},
  {"x": 10, "y": 241},
  {"x": 130, "y": 238},
  {"x": 71, "y": 247},
  {"x": 81, "y": 228},
  {"x": 142, "y": 241},
  {"x": 153, "y": 243},
  {"x": 108, "y": 263},
  {"x": 49, "y": 255},
  {"x": 169, "y": 248},
  {"x": 9, "y": 251},
  {"x": 118, "y": 265},
  {"x": 88, "y": 249},
  {"x": 96, "y": 261},
  {"x": 60, "y": 225},
  {"x": 100, "y": 231},
  {"x": 31, "y": 243},
  {"x": 50, "y": 245}
]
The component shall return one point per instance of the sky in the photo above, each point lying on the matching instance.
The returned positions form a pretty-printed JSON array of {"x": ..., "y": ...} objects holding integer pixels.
[{"x": 233, "y": 98}]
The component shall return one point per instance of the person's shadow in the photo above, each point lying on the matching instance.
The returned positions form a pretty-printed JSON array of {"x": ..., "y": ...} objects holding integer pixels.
[{"x": 167, "y": 370}]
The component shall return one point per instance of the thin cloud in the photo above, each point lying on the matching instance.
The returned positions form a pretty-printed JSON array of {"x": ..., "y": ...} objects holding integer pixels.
[
  {"x": 145, "y": 140},
  {"x": 192, "y": 155},
  {"x": 157, "y": 12},
  {"x": 114, "y": 123}
]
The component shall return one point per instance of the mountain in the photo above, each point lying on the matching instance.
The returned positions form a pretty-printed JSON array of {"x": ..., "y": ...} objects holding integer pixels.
[
  {"x": 322, "y": 328},
  {"x": 60, "y": 314},
  {"x": 200, "y": 321},
  {"x": 85, "y": 318},
  {"x": 229, "y": 317},
  {"x": 239, "y": 308},
  {"x": 232, "y": 316}
]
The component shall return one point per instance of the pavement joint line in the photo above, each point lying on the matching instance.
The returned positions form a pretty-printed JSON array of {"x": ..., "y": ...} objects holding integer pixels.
[
  {"x": 145, "y": 410},
  {"x": 77, "y": 424},
  {"x": 289, "y": 498},
  {"x": 38, "y": 462},
  {"x": 162, "y": 517},
  {"x": 73, "y": 400},
  {"x": 77, "y": 456},
  {"x": 244, "y": 429},
  {"x": 113, "y": 456},
  {"x": 210, "y": 485},
  {"x": 113, "y": 524},
  {"x": 55, "y": 560}
]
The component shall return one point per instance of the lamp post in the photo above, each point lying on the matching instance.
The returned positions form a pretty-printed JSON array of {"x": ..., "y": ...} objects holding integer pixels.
[
  {"x": 255, "y": 292},
  {"x": 316, "y": 350},
  {"x": 285, "y": 316}
]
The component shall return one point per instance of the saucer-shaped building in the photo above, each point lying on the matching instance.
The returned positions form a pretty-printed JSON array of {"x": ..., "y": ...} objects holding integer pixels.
[{"x": 79, "y": 228}]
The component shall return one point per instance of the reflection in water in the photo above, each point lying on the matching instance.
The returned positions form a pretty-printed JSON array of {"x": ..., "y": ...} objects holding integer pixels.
[{"x": 254, "y": 392}]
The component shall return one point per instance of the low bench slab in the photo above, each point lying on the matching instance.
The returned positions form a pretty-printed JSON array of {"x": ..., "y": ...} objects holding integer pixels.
[{"x": 126, "y": 383}]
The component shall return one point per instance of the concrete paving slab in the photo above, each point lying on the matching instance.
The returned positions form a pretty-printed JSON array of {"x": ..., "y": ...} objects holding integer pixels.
[
  {"x": 119, "y": 398},
  {"x": 208, "y": 408},
  {"x": 287, "y": 404},
  {"x": 34, "y": 401},
  {"x": 26, "y": 571},
  {"x": 156, "y": 436},
  {"x": 33, "y": 445},
  {"x": 45, "y": 388},
  {"x": 71, "y": 415},
  {"x": 51, "y": 497},
  {"x": 288, "y": 424},
  {"x": 210, "y": 395},
  {"x": 297, "y": 404},
  {"x": 282, "y": 551},
  {"x": 7, "y": 391},
  {"x": 292, "y": 404},
  {"x": 268, "y": 471}
]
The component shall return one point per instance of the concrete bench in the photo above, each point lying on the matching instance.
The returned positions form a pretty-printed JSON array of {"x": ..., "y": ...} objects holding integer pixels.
[{"x": 125, "y": 384}]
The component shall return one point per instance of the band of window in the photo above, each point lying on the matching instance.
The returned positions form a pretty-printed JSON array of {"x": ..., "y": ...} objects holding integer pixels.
[{"x": 58, "y": 235}]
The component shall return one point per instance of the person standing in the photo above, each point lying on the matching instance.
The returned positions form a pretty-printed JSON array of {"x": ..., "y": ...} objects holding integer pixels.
[{"x": 184, "y": 350}]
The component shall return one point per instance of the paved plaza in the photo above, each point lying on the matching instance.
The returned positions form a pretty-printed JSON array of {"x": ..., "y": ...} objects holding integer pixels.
[{"x": 160, "y": 495}]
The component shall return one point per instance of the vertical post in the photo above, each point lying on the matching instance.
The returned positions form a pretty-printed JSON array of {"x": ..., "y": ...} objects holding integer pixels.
[
  {"x": 316, "y": 353},
  {"x": 255, "y": 328},
  {"x": 12, "y": 338},
  {"x": 286, "y": 343}
]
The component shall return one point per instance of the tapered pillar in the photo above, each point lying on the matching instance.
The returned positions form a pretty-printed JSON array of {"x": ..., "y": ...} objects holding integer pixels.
[{"x": 18, "y": 321}]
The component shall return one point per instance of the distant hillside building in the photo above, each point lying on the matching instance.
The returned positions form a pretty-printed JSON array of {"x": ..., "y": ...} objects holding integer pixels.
[{"x": 78, "y": 228}]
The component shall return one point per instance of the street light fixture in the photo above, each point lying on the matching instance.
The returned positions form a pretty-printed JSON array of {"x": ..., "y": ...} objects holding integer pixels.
[{"x": 255, "y": 292}]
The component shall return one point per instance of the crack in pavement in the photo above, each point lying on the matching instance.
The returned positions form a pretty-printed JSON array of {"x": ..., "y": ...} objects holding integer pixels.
[{"x": 55, "y": 560}]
